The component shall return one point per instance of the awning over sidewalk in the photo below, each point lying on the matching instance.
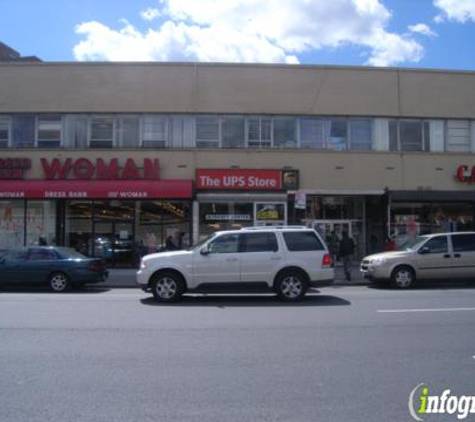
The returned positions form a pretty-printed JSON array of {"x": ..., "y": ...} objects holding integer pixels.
[{"x": 95, "y": 189}]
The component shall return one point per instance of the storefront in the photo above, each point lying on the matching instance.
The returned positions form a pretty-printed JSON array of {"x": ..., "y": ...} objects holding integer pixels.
[
  {"x": 236, "y": 198},
  {"x": 411, "y": 213},
  {"x": 102, "y": 208}
]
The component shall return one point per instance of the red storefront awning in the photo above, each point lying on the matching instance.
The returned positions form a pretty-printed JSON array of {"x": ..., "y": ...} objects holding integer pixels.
[{"x": 96, "y": 189}]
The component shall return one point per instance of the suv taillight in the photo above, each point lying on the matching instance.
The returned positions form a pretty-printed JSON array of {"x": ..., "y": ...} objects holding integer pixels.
[{"x": 326, "y": 261}]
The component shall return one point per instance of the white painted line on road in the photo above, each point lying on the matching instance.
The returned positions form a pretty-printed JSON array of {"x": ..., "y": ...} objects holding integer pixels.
[{"x": 402, "y": 311}]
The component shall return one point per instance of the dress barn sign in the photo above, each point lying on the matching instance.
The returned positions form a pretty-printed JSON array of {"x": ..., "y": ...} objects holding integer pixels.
[
  {"x": 99, "y": 179},
  {"x": 238, "y": 179}
]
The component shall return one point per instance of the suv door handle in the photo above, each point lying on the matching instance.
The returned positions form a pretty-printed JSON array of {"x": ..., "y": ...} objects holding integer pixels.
[
  {"x": 447, "y": 255},
  {"x": 457, "y": 255},
  {"x": 231, "y": 259},
  {"x": 276, "y": 258}
]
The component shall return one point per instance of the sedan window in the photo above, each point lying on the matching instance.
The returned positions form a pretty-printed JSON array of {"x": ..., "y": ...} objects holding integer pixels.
[
  {"x": 15, "y": 255},
  {"x": 41, "y": 255}
]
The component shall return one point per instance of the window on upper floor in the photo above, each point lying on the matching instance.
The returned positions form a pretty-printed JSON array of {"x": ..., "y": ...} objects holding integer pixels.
[
  {"x": 23, "y": 130},
  {"x": 285, "y": 132},
  {"x": 207, "y": 131},
  {"x": 311, "y": 133},
  {"x": 101, "y": 132},
  {"x": 5, "y": 130},
  {"x": 409, "y": 135},
  {"x": 259, "y": 132},
  {"x": 458, "y": 135},
  {"x": 75, "y": 131},
  {"x": 128, "y": 131},
  {"x": 49, "y": 130},
  {"x": 336, "y": 134},
  {"x": 360, "y": 134},
  {"x": 154, "y": 131},
  {"x": 233, "y": 131}
]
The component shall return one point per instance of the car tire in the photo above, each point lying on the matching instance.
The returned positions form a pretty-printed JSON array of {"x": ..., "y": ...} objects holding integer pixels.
[
  {"x": 402, "y": 277},
  {"x": 59, "y": 282},
  {"x": 291, "y": 286},
  {"x": 167, "y": 286}
]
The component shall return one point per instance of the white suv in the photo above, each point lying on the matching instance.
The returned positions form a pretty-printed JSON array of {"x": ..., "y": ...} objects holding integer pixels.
[{"x": 287, "y": 260}]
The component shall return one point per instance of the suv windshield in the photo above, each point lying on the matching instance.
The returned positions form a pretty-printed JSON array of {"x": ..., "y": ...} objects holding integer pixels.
[{"x": 201, "y": 242}]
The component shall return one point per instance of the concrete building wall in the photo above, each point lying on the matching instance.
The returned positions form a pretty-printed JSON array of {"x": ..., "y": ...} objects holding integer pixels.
[
  {"x": 326, "y": 170},
  {"x": 235, "y": 88}
]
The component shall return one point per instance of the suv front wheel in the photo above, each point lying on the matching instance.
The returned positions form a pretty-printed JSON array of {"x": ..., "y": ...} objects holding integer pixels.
[
  {"x": 167, "y": 286},
  {"x": 291, "y": 286}
]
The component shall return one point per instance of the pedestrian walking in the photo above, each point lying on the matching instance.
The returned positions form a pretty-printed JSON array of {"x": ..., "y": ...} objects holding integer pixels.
[
  {"x": 347, "y": 248},
  {"x": 333, "y": 246}
]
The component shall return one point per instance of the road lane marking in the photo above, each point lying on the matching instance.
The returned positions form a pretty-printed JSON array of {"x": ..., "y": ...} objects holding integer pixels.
[{"x": 401, "y": 311}]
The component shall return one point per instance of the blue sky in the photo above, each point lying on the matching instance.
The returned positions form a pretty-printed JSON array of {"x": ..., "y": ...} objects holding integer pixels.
[{"x": 404, "y": 33}]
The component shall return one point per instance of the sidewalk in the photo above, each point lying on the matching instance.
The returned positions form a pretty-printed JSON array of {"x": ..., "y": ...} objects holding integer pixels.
[{"x": 125, "y": 278}]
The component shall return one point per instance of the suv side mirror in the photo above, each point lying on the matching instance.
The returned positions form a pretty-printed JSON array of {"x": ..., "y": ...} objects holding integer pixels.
[
  {"x": 204, "y": 250},
  {"x": 424, "y": 250}
]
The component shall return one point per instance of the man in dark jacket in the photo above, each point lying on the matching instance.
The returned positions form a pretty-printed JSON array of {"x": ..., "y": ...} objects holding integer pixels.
[{"x": 347, "y": 248}]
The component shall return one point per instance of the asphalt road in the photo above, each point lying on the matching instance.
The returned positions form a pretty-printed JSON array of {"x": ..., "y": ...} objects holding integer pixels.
[{"x": 346, "y": 354}]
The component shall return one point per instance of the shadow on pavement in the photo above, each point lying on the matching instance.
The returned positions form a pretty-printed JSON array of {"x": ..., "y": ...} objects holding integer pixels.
[
  {"x": 45, "y": 289},
  {"x": 428, "y": 285},
  {"x": 227, "y": 301}
]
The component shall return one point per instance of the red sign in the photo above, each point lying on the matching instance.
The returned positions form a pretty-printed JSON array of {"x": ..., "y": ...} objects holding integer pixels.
[
  {"x": 96, "y": 189},
  {"x": 83, "y": 168},
  {"x": 13, "y": 168},
  {"x": 466, "y": 174},
  {"x": 238, "y": 179}
]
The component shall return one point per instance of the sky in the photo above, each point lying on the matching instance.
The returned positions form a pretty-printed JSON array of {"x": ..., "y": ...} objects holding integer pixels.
[{"x": 397, "y": 33}]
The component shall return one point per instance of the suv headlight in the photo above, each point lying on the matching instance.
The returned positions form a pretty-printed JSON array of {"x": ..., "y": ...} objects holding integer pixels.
[{"x": 378, "y": 261}]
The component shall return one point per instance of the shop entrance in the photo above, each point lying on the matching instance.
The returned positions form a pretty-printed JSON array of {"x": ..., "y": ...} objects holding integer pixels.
[{"x": 352, "y": 227}]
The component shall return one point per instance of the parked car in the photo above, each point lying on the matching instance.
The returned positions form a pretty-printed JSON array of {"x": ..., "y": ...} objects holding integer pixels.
[
  {"x": 446, "y": 256},
  {"x": 286, "y": 260},
  {"x": 58, "y": 267}
]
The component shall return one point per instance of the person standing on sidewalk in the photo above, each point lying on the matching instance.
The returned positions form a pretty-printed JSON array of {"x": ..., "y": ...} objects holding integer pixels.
[{"x": 347, "y": 248}]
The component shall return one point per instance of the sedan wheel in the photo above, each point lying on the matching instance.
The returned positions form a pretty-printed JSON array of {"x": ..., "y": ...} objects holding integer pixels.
[
  {"x": 291, "y": 286},
  {"x": 167, "y": 287},
  {"x": 59, "y": 282},
  {"x": 402, "y": 277}
]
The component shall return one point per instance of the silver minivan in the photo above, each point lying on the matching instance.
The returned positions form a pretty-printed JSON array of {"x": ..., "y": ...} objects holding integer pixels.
[{"x": 442, "y": 256}]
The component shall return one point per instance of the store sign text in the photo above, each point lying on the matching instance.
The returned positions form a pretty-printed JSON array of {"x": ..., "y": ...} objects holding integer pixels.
[
  {"x": 238, "y": 179},
  {"x": 13, "y": 168},
  {"x": 85, "y": 169},
  {"x": 466, "y": 174}
]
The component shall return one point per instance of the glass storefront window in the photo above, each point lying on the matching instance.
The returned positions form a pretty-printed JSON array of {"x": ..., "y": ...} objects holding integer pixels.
[
  {"x": 78, "y": 225},
  {"x": 225, "y": 216},
  {"x": 409, "y": 220},
  {"x": 163, "y": 225},
  {"x": 12, "y": 226},
  {"x": 41, "y": 223}
]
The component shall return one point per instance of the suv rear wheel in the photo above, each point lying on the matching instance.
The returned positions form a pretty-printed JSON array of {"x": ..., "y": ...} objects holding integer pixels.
[
  {"x": 291, "y": 285},
  {"x": 402, "y": 277},
  {"x": 167, "y": 286}
]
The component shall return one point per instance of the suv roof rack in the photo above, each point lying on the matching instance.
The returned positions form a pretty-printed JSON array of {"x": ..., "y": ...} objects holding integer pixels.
[{"x": 274, "y": 228}]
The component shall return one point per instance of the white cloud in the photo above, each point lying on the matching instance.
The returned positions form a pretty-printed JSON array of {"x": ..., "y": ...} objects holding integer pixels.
[
  {"x": 150, "y": 14},
  {"x": 456, "y": 10},
  {"x": 423, "y": 29},
  {"x": 252, "y": 31}
]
